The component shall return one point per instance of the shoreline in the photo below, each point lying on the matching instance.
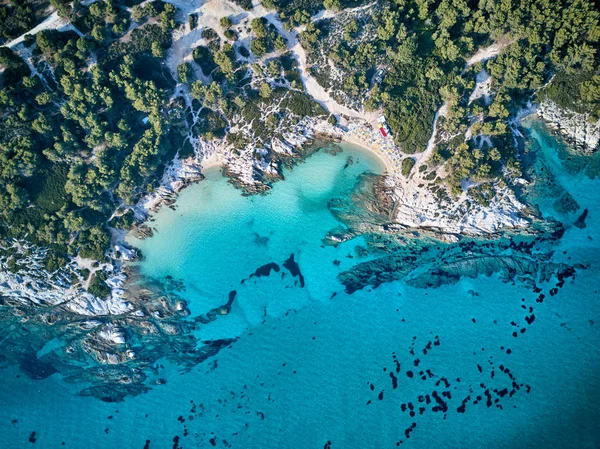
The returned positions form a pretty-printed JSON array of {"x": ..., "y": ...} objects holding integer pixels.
[
  {"x": 186, "y": 172},
  {"x": 414, "y": 208},
  {"x": 212, "y": 161},
  {"x": 388, "y": 168},
  {"x": 414, "y": 204},
  {"x": 384, "y": 148}
]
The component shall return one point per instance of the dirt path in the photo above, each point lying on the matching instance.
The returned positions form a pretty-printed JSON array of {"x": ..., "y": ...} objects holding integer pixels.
[
  {"x": 52, "y": 22},
  {"x": 313, "y": 88},
  {"x": 210, "y": 12},
  {"x": 483, "y": 54},
  {"x": 422, "y": 158}
]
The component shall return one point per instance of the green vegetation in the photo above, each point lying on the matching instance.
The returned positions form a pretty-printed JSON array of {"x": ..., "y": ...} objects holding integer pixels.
[
  {"x": 19, "y": 16},
  {"x": 265, "y": 90},
  {"x": 246, "y": 4},
  {"x": 580, "y": 92},
  {"x": 231, "y": 95},
  {"x": 407, "y": 165},
  {"x": 74, "y": 149},
  {"x": 97, "y": 285},
  {"x": 335, "y": 5},
  {"x": 15, "y": 19},
  {"x": 423, "y": 46},
  {"x": 204, "y": 58},
  {"x": 231, "y": 35},
  {"x": 225, "y": 22},
  {"x": 184, "y": 72},
  {"x": 192, "y": 21},
  {"x": 266, "y": 38}
]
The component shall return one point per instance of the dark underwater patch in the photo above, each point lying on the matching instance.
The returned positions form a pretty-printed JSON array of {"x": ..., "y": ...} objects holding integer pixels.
[
  {"x": 291, "y": 265},
  {"x": 444, "y": 394},
  {"x": 580, "y": 222},
  {"x": 260, "y": 240},
  {"x": 264, "y": 270},
  {"x": 36, "y": 368}
]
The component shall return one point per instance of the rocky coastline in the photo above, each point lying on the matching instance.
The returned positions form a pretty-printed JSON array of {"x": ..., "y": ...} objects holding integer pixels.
[
  {"x": 120, "y": 337},
  {"x": 111, "y": 345},
  {"x": 579, "y": 130}
]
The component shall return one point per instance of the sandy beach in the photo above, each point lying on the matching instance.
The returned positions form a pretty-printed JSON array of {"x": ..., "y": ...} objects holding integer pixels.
[
  {"x": 381, "y": 157},
  {"x": 212, "y": 161},
  {"x": 371, "y": 140}
]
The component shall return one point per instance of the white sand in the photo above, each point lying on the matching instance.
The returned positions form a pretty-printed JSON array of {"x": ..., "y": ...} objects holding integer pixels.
[
  {"x": 483, "y": 88},
  {"x": 386, "y": 163},
  {"x": 212, "y": 161}
]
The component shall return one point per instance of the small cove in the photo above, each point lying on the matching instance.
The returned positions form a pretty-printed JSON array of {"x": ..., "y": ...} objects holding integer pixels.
[
  {"x": 310, "y": 367},
  {"x": 216, "y": 238}
]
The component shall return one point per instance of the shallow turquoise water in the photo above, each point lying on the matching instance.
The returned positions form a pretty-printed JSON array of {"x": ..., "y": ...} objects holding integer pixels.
[
  {"x": 216, "y": 238},
  {"x": 300, "y": 374}
]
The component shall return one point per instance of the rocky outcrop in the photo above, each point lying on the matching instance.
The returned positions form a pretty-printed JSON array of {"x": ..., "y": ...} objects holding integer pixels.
[
  {"x": 472, "y": 267},
  {"x": 179, "y": 174},
  {"x": 376, "y": 272},
  {"x": 254, "y": 167},
  {"x": 25, "y": 282},
  {"x": 430, "y": 265},
  {"x": 578, "y": 129},
  {"x": 51, "y": 324},
  {"x": 393, "y": 204},
  {"x": 417, "y": 206}
]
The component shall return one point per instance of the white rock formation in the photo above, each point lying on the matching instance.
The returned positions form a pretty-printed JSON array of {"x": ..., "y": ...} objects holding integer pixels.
[
  {"x": 576, "y": 128},
  {"x": 483, "y": 88},
  {"x": 112, "y": 334},
  {"x": 30, "y": 284},
  {"x": 415, "y": 206}
]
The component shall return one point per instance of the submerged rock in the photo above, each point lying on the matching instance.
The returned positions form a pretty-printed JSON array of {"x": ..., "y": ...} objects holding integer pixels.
[
  {"x": 430, "y": 265},
  {"x": 291, "y": 265},
  {"x": 265, "y": 270},
  {"x": 53, "y": 326},
  {"x": 580, "y": 222},
  {"x": 451, "y": 272},
  {"x": 142, "y": 232},
  {"x": 387, "y": 204},
  {"x": 114, "y": 393},
  {"x": 376, "y": 272},
  {"x": 36, "y": 368}
]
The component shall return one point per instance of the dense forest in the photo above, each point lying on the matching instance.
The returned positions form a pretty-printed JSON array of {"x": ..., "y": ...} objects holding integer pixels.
[
  {"x": 87, "y": 128},
  {"x": 73, "y": 143}
]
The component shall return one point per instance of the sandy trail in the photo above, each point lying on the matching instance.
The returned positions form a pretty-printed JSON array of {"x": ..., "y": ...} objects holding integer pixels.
[
  {"x": 483, "y": 88},
  {"x": 329, "y": 14},
  {"x": 313, "y": 88},
  {"x": 209, "y": 14},
  {"x": 490, "y": 52},
  {"x": 52, "y": 22},
  {"x": 422, "y": 158}
]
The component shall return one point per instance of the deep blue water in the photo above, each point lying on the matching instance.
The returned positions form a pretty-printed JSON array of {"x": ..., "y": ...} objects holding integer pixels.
[{"x": 312, "y": 369}]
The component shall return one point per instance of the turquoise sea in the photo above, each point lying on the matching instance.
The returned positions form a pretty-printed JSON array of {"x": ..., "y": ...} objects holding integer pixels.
[{"x": 315, "y": 367}]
